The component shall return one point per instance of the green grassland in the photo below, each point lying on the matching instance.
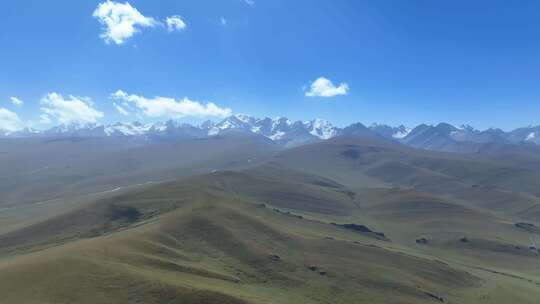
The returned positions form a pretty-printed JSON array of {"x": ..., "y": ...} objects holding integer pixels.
[{"x": 277, "y": 233}]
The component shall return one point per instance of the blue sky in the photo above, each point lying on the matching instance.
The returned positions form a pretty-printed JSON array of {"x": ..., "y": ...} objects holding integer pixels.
[{"x": 411, "y": 62}]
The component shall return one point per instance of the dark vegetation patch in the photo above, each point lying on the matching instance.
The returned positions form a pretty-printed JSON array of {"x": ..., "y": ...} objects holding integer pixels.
[
  {"x": 434, "y": 296},
  {"x": 94, "y": 220},
  {"x": 317, "y": 270},
  {"x": 326, "y": 184},
  {"x": 288, "y": 213},
  {"x": 352, "y": 227},
  {"x": 275, "y": 258},
  {"x": 361, "y": 229},
  {"x": 127, "y": 213},
  {"x": 422, "y": 241},
  {"x": 528, "y": 227}
]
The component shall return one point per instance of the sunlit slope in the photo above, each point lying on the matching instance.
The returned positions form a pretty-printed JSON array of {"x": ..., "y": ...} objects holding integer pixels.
[{"x": 216, "y": 248}]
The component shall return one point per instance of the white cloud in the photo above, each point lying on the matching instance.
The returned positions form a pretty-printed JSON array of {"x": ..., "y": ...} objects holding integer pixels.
[
  {"x": 16, "y": 101},
  {"x": 69, "y": 110},
  {"x": 120, "y": 109},
  {"x": 171, "y": 108},
  {"x": 250, "y": 2},
  {"x": 175, "y": 23},
  {"x": 9, "y": 121},
  {"x": 120, "y": 21},
  {"x": 323, "y": 87},
  {"x": 223, "y": 21}
]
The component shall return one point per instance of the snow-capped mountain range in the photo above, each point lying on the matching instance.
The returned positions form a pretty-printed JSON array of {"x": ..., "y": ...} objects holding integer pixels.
[{"x": 441, "y": 137}]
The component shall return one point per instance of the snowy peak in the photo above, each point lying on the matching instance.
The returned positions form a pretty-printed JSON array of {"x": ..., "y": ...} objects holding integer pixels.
[
  {"x": 245, "y": 118},
  {"x": 235, "y": 122},
  {"x": 321, "y": 128},
  {"x": 281, "y": 130},
  {"x": 529, "y": 134},
  {"x": 127, "y": 129},
  {"x": 397, "y": 133},
  {"x": 76, "y": 129},
  {"x": 401, "y": 132}
]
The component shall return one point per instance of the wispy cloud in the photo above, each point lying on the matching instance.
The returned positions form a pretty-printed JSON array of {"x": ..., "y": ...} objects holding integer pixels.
[
  {"x": 323, "y": 87},
  {"x": 120, "y": 21},
  {"x": 166, "y": 107},
  {"x": 9, "y": 121},
  {"x": 120, "y": 109},
  {"x": 69, "y": 110},
  {"x": 16, "y": 101},
  {"x": 223, "y": 21},
  {"x": 175, "y": 23},
  {"x": 249, "y": 2}
]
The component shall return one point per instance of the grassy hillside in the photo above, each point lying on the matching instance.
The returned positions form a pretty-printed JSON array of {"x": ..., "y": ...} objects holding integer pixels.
[
  {"x": 228, "y": 238},
  {"x": 494, "y": 186},
  {"x": 35, "y": 170},
  {"x": 215, "y": 244},
  {"x": 345, "y": 221}
]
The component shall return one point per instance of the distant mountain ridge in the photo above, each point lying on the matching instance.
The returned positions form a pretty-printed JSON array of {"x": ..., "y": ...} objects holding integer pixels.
[{"x": 281, "y": 130}]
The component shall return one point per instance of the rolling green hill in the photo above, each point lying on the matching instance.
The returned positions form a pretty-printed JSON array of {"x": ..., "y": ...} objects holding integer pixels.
[{"x": 351, "y": 220}]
